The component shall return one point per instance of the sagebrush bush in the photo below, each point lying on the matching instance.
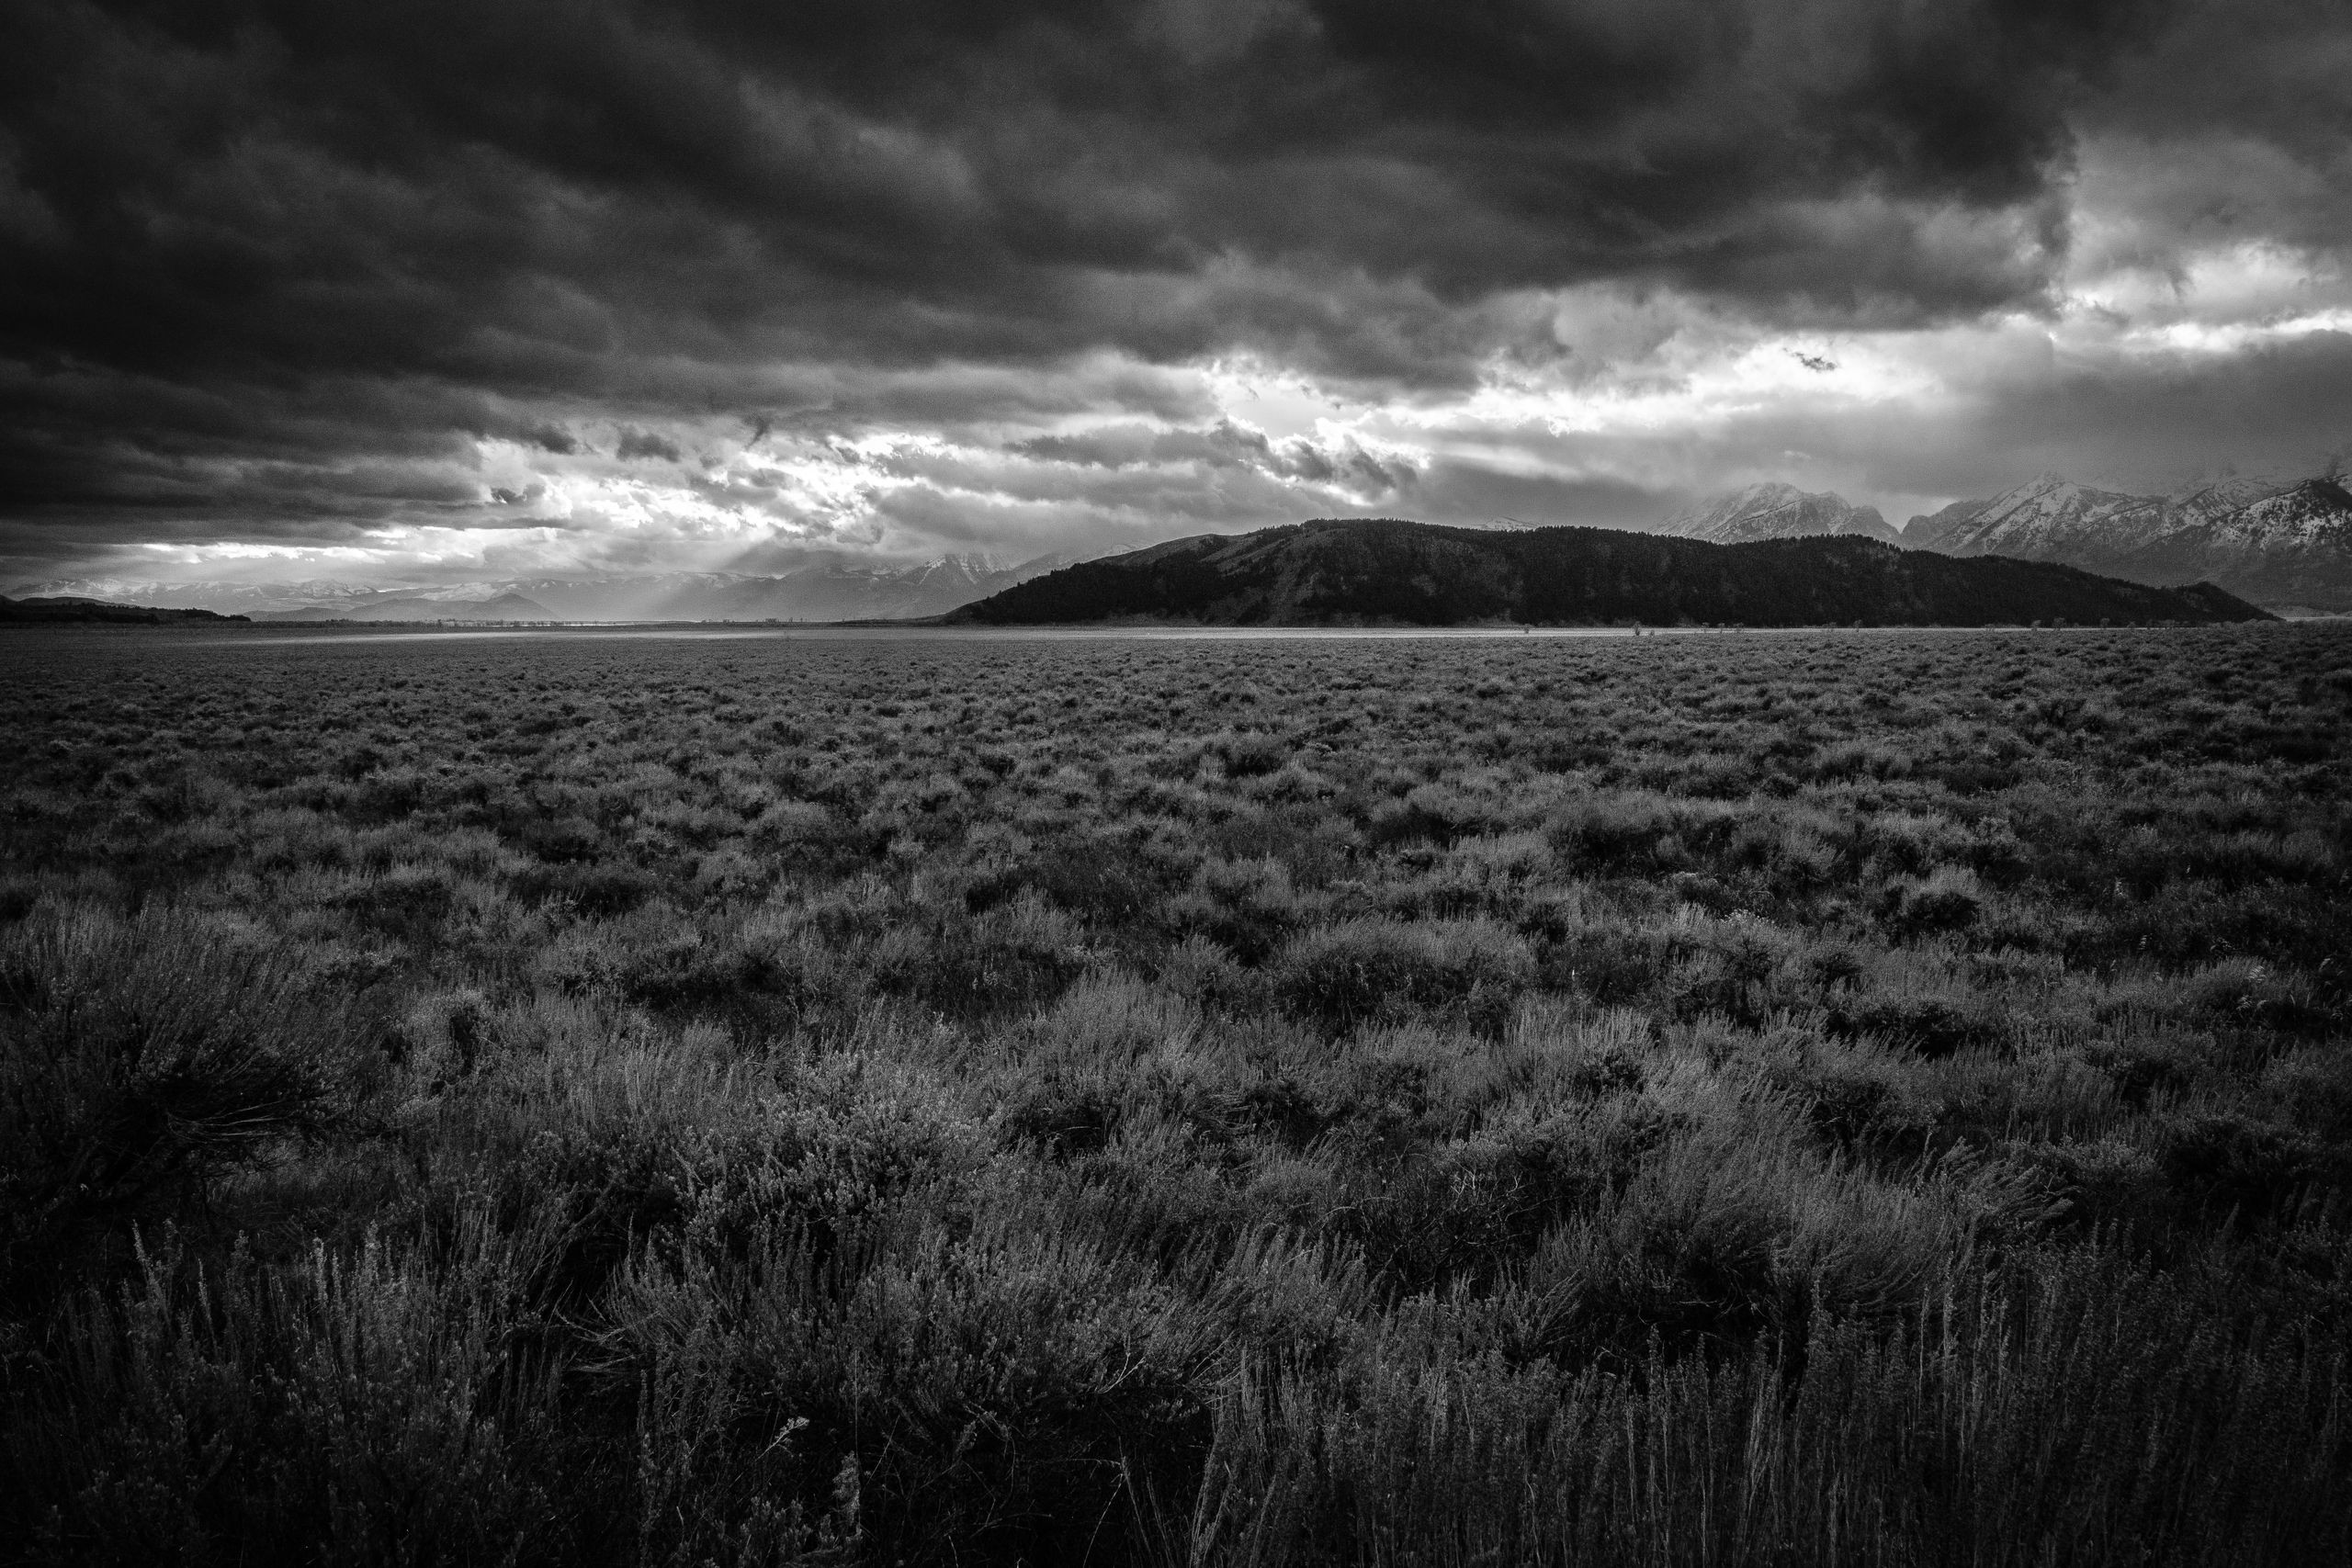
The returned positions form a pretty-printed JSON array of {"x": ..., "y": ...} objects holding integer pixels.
[
  {"x": 140, "y": 1058},
  {"x": 1367, "y": 970}
]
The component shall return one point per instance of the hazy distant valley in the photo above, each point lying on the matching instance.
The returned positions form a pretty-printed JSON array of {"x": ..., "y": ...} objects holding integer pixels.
[{"x": 832, "y": 589}]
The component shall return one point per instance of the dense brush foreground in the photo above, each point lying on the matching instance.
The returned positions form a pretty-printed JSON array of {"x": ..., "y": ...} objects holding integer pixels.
[{"x": 1833, "y": 1098}]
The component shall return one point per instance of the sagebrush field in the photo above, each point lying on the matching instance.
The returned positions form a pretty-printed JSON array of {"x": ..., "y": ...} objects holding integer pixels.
[{"x": 1794, "y": 1098}]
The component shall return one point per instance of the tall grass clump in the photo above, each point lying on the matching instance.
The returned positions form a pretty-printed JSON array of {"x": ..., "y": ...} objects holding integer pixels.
[
  {"x": 380, "y": 1404},
  {"x": 2093, "y": 1413}
]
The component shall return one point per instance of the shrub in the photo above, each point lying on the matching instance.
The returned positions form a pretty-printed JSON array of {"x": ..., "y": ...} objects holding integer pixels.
[
  {"x": 1947, "y": 900},
  {"x": 1252, "y": 754},
  {"x": 1426, "y": 813},
  {"x": 1613, "y": 833},
  {"x": 1933, "y": 1024},
  {"x": 765, "y": 978},
  {"x": 1860, "y": 1105},
  {"x": 2102, "y": 1182},
  {"x": 1103, "y": 882},
  {"x": 2233, "y": 1161},
  {"x": 1246, "y": 907},
  {"x": 1198, "y": 969},
  {"x": 560, "y": 839},
  {"x": 139, "y": 1059},
  {"x": 599, "y": 889},
  {"x": 1062, "y": 1116},
  {"x": 1370, "y": 969},
  {"x": 971, "y": 968}
]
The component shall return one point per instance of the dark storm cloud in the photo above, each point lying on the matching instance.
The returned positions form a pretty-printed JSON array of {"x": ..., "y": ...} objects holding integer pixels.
[
  {"x": 2280, "y": 408},
  {"x": 499, "y": 187},
  {"x": 2268, "y": 69},
  {"x": 280, "y": 262},
  {"x": 2235, "y": 122},
  {"x": 1223, "y": 446},
  {"x": 644, "y": 444}
]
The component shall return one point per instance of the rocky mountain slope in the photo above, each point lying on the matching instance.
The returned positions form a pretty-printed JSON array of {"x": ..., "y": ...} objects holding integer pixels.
[
  {"x": 1396, "y": 572},
  {"x": 1777, "y": 512},
  {"x": 2269, "y": 542}
]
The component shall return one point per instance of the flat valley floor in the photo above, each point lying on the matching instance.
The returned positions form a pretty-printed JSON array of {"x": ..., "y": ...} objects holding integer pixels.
[{"x": 1796, "y": 1097}]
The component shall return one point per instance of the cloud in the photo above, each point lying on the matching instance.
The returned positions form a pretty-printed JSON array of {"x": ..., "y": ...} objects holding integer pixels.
[
  {"x": 637, "y": 443},
  {"x": 600, "y": 278}
]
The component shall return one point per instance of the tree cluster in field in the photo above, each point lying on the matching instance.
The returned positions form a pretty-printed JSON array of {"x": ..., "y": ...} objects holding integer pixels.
[{"x": 1868, "y": 1098}]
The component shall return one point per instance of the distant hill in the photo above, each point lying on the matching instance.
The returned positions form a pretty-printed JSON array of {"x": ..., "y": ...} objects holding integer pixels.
[
  {"x": 1777, "y": 512},
  {"x": 1393, "y": 572},
  {"x": 52, "y": 610},
  {"x": 2272, "y": 542}
]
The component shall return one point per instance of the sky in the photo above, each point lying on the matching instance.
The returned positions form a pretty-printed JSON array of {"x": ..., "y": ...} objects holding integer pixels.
[{"x": 410, "y": 292}]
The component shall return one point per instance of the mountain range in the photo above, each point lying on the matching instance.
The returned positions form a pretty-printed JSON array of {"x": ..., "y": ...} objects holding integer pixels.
[
  {"x": 1394, "y": 572},
  {"x": 2284, "y": 544},
  {"x": 2281, "y": 543}
]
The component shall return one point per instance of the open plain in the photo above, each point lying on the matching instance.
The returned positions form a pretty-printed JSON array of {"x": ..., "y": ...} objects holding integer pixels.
[{"x": 1838, "y": 1097}]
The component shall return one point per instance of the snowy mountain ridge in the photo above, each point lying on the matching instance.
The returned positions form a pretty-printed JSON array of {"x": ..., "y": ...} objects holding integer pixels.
[
  {"x": 2274, "y": 542},
  {"x": 1775, "y": 511}
]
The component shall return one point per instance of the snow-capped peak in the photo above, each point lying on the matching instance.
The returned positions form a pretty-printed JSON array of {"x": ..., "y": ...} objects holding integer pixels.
[{"x": 1775, "y": 510}]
